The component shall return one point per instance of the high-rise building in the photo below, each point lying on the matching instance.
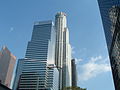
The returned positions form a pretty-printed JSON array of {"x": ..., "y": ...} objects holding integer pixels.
[
  {"x": 110, "y": 13},
  {"x": 7, "y": 63},
  {"x": 49, "y": 43},
  {"x": 36, "y": 75},
  {"x": 17, "y": 74},
  {"x": 74, "y": 73},
  {"x": 37, "y": 70},
  {"x": 63, "y": 50}
]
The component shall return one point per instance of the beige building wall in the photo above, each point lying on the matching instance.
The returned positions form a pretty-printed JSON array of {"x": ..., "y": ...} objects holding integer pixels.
[{"x": 7, "y": 63}]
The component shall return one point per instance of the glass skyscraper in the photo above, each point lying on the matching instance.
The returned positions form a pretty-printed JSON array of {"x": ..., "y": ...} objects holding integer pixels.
[
  {"x": 33, "y": 72},
  {"x": 47, "y": 62},
  {"x": 110, "y": 13}
]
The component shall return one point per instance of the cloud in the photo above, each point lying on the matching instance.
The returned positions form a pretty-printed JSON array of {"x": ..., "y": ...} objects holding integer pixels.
[
  {"x": 73, "y": 49},
  {"x": 94, "y": 67},
  {"x": 78, "y": 60},
  {"x": 11, "y": 29}
]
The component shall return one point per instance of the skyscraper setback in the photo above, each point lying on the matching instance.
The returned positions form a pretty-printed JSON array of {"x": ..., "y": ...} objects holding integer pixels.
[
  {"x": 7, "y": 63},
  {"x": 110, "y": 13},
  {"x": 37, "y": 71},
  {"x": 63, "y": 50},
  {"x": 47, "y": 62}
]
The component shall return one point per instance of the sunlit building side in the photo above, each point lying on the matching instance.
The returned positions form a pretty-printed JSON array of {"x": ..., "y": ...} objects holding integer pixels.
[
  {"x": 7, "y": 63},
  {"x": 35, "y": 73},
  {"x": 63, "y": 50}
]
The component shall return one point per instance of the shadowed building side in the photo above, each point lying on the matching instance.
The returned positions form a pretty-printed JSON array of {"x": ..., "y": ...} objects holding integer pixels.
[
  {"x": 74, "y": 73},
  {"x": 110, "y": 14},
  {"x": 3, "y": 87}
]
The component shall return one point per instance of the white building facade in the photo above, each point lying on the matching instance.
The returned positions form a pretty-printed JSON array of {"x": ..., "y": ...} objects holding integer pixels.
[{"x": 63, "y": 50}]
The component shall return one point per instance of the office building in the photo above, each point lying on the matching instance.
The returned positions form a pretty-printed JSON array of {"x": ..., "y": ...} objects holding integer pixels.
[
  {"x": 7, "y": 62},
  {"x": 36, "y": 75},
  {"x": 110, "y": 14},
  {"x": 63, "y": 50},
  {"x": 74, "y": 73},
  {"x": 37, "y": 70},
  {"x": 17, "y": 74}
]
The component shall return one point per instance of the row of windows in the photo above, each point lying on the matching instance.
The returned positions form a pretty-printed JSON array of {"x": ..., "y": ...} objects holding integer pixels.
[
  {"x": 39, "y": 36},
  {"x": 30, "y": 78},
  {"x": 34, "y": 52},
  {"x": 37, "y": 48},
  {"x": 32, "y": 81},
  {"x": 37, "y": 58},
  {"x": 42, "y": 50},
  {"x": 38, "y": 71},
  {"x": 33, "y": 74},
  {"x": 34, "y": 66},
  {"x": 35, "y": 61},
  {"x": 36, "y": 42}
]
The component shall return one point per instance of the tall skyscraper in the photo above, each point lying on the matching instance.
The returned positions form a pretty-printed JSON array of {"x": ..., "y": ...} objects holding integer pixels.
[
  {"x": 48, "y": 57},
  {"x": 7, "y": 62},
  {"x": 62, "y": 50},
  {"x": 38, "y": 71},
  {"x": 74, "y": 73},
  {"x": 110, "y": 13}
]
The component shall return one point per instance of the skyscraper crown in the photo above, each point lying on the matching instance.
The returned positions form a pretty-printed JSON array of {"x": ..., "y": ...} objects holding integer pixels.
[
  {"x": 43, "y": 22},
  {"x": 60, "y": 14}
]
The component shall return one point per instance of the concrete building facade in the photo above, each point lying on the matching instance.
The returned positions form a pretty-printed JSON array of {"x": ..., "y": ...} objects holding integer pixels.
[
  {"x": 63, "y": 50},
  {"x": 7, "y": 63}
]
